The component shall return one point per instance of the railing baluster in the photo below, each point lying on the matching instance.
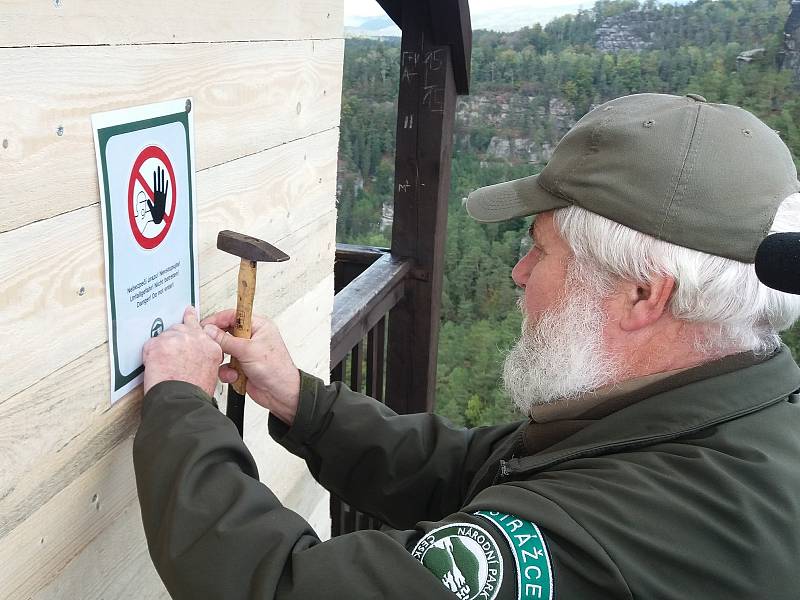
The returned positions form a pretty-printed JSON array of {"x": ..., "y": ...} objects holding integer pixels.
[
  {"x": 348, "y": 518},
  {"x": 380, "y": 342},
  {"x": 375, "y": 360},
  {"x": 355, "y": 367},
  {"x": 337, "y": 373},
  {"x": 336, "y": 516},
  {"x": 361, "y": 520},
  {"x": 361, "y": 310},
  {"x": 372, "y": 363}
]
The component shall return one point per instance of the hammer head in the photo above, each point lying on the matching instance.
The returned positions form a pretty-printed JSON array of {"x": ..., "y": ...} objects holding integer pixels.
[{"x": 249, "y": 248}]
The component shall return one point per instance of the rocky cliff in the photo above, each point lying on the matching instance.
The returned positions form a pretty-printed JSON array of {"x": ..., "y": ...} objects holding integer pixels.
[
  {"x": 790, "y": 58},
  {"x": 511, "y": 117},
  {"x": 631, "y": 30}
]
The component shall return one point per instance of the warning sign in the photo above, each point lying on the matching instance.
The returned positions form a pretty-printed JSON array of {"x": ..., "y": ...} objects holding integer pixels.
[
  {"x": 151, "y": 208},
  {"x": 145, "y": 164}
]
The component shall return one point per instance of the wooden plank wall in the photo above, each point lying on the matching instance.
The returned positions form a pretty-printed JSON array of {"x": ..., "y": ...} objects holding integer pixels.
[{"x": 265, "y": 76}]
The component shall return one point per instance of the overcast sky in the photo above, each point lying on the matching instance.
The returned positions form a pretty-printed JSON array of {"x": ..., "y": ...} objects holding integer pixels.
[{"x": 365, "y": 8}]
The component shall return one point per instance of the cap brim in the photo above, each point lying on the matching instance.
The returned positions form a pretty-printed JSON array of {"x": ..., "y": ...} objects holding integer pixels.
[{"x": 511, "y": 200}]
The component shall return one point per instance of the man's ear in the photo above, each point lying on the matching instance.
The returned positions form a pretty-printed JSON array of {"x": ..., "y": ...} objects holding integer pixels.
[{"x": 645, "y": 303}]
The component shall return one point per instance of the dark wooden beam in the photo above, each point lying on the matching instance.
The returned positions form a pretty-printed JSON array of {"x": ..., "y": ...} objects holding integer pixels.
[
  {"x": 426, "y": 112},
  {"x": 451, "y": 25}
]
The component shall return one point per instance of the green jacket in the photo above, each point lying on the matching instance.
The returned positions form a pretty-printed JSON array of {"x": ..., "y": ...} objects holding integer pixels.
[{"x": 693, "y": 492}]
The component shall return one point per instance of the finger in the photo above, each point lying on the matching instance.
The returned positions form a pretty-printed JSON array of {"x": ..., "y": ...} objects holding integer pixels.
[
  {"x": 234, "y": 346},
  {"x": 155, "y": 181},
  {"x": 224, "y": 319},
  {"x": 166, "y": 189},
  {"x": 164, "y": 336},
  {"x": 257, "y": 323},
  {"x": 227, "y": 374},
  {"x": 190, "y": 317}
]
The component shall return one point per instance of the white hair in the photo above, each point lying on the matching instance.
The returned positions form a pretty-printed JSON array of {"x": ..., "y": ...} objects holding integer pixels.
[
  {"x": 560, "y": 354},
  {"x": 741, "y": 313}
]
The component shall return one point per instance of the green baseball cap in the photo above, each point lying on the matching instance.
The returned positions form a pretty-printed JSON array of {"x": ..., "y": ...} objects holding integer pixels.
[{"x": 700, "y": 175}]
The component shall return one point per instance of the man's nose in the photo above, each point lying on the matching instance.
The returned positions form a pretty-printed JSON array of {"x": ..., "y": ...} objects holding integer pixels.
[{"x": 521, "y": 271}]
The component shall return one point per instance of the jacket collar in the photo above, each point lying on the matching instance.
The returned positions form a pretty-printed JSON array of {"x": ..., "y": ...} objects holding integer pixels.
[{"x": 672, "y": 414}]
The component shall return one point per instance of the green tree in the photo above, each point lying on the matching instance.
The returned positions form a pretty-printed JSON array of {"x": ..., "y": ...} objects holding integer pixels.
[{"x": 547, "y": 77}]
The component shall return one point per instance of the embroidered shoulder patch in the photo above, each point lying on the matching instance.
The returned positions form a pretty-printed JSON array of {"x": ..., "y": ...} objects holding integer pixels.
[
  {"x": 465, "y": 558},
  {"x": 534, "y": 573}
]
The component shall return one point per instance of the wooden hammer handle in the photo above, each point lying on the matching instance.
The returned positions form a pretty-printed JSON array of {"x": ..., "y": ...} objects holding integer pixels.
[{"x": 244, "y": 315}]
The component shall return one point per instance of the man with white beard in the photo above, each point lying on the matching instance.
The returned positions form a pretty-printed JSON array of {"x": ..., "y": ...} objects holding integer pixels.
[
  {"x": 560, "y": 352},
  {"x": 660, "y": 451}
]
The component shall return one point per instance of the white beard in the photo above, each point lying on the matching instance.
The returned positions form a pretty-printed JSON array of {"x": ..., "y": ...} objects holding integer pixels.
[{"x": 561, "y": 355}]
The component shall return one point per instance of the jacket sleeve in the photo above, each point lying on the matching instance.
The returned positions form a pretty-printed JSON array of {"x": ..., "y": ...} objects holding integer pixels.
[
  {"x": 418, "y": 467},
  {"x": 215, "y": 532}
]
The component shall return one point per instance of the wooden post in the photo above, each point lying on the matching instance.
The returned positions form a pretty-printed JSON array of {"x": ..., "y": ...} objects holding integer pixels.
[{"x": 426, "y": 111}]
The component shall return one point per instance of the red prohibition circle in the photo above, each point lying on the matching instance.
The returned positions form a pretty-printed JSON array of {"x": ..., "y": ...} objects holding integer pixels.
[{"x": 159, "y": 154}]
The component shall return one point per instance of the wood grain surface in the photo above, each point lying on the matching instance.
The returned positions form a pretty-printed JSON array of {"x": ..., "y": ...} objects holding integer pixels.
[
  {"x": 93, "y": 22},
  {"x": 265, "y": 78},
  {"x": 247, "y": 98},
  {"x": 65, "y": 527},
  {"x": 55, "y": 430},
  {"x": 270, "y": 195}
]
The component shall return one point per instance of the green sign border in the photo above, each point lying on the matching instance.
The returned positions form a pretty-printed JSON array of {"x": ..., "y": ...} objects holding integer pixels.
[{"x": 104, "y": 135}]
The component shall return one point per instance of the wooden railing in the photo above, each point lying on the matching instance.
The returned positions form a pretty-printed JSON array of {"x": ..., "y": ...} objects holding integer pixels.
[
  {"x": 369, "y": 284},
  {"x": 387, "y": 304}
]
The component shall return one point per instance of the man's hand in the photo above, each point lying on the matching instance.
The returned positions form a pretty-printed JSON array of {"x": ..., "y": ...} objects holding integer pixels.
[
  {"x": 182, "y": 353},
  {"x": 273, "y": 380}
]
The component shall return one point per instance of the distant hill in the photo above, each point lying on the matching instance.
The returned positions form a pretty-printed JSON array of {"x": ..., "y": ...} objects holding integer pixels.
[
  {"x": 372, "y": 27},
  {"x": 496, "y": 19}
]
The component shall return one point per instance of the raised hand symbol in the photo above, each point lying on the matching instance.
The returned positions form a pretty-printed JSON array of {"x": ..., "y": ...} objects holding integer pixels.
[{"x": 158, "y": 205}]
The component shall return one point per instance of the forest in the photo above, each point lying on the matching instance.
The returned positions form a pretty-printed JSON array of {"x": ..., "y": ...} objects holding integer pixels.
[{"x": 528, "y": 88}]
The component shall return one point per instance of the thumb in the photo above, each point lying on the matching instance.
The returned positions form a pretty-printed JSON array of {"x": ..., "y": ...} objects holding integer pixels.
[
  {"x": 230, "y": 345},
  {"x": 227, "y": 374}
]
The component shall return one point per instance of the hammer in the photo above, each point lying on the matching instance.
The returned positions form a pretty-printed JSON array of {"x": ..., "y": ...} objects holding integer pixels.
[{"x": 251, "y": 251}]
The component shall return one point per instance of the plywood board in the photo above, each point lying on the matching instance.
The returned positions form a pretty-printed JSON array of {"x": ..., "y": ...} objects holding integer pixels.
[
  {"x": 115, "y": 566},
  {"x": 58, "y": 428},
  {"x": 248, "y": 98},
  {"x": 36, "y": 555},
  {"x": 94, "y": 22},
  {"x": 271, "y": 195}
]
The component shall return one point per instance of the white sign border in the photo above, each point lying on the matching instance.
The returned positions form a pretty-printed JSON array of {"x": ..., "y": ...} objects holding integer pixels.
[{"x": 122, "y": 117}]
